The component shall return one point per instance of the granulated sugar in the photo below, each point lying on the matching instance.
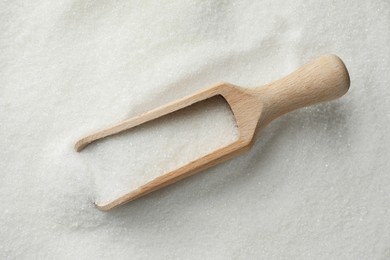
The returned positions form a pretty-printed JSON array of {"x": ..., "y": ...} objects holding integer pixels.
[
  {"x": 315, "y": 185},
  {"x": 124, "y": 162}
]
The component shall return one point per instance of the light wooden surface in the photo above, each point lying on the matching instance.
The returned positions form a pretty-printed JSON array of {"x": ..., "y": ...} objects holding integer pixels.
[{"x": 322, "y": 79}]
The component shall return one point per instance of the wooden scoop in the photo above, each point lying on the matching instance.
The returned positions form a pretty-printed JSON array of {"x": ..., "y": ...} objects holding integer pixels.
[{"x": 322, "y": 79}]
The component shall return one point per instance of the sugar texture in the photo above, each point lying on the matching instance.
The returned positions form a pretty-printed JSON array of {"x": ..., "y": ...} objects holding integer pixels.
[
  {"x": 316, "y": 184},
  {"x": 122, "y": 163}
]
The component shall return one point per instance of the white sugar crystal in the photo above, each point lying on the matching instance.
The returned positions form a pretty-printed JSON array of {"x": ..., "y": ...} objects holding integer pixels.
[{"x": 316, "y": 184}]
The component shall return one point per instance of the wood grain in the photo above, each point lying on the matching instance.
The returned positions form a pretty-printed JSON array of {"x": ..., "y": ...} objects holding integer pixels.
[{"x": 322, "y": 79}]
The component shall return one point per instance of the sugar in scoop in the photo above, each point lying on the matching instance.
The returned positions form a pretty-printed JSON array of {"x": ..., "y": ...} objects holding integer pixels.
[{"x": 158, "y": 147}]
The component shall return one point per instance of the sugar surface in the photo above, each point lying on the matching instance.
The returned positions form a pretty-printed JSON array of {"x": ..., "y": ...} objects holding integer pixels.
[
  {"x": 315, "y": 185},
  {"x": 122, "y": 163}
]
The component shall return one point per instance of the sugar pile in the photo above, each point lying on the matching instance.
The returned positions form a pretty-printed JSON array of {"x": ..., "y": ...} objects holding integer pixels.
[
  {"x": 315, "y": 185},
  {"x": 122, "y": 163}
]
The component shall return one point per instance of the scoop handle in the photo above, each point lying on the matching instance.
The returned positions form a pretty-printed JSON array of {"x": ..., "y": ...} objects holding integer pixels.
[{"x": 322, "y": 79}]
